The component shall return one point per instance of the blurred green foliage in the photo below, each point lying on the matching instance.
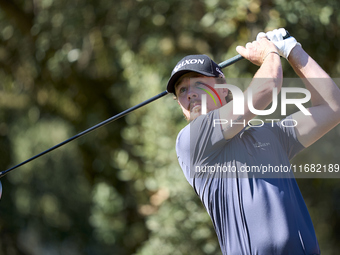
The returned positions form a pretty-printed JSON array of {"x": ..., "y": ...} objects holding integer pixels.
[{"x": 67, "y": 65}]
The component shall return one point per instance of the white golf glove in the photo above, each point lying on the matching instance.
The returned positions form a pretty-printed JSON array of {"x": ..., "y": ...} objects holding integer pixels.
[{"x": 284, "y": 46}]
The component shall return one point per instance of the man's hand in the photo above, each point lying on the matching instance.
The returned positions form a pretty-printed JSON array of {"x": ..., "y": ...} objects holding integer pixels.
[
  {"x": 276, "y": 36},
  {"x": 257, "y": 51},
  {"x": 269, "y": 76}
]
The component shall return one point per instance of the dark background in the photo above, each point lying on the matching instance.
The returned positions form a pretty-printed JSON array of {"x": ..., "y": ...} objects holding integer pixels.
[{"x": 68, "y": 65}]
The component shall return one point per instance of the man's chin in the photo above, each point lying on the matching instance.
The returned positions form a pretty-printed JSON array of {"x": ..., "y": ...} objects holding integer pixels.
[{"x": 195, "y": 112}]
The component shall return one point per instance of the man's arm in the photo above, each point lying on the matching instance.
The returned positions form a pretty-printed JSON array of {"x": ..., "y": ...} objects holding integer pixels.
[
  {"x": 325, "y": 98},
  {"x": 268, "y": 76}
]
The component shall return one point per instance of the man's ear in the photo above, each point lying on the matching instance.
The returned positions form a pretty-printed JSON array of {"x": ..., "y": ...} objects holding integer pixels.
[{"x": 224, "y": 91}]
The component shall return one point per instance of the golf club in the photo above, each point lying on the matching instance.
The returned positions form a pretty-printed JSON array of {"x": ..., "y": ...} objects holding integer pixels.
[
  {"x": 222, "y": 65},
  {"x": 3, "y": 173}
]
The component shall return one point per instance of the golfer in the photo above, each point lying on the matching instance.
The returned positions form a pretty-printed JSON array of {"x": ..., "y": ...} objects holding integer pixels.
[{"x": 252, "y": 214}]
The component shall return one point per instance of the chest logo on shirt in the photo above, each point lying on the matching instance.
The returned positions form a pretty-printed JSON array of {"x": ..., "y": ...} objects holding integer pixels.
[{"x": 260, "y": 145}]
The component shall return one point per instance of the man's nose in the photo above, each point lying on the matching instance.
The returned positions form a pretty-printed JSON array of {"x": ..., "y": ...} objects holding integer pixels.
[{"x": 192, "y": 94}]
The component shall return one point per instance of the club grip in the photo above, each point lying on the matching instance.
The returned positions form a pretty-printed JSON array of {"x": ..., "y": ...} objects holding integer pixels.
[
  {"x": 230, "y": 61},
  {"x": 287, "y": 35}
]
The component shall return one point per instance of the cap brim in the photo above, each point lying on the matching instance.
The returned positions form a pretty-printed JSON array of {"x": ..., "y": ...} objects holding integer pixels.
[{"x": 173, "y": 79}]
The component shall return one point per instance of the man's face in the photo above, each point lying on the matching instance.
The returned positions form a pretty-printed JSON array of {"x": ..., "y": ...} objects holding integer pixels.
[{"x": 189, "y": 93}]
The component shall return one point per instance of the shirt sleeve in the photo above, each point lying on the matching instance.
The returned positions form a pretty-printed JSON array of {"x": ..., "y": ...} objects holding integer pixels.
[
  {"x": 183, "y": 152},
  {"x": 285, "y": 132},
  {"x": 206, "y": 137},
  {"x": 197, "y": 142}
]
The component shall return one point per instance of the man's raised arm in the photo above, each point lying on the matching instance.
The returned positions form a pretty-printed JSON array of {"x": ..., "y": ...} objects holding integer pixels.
[
  {"x": 325, "y": 94},
  {"x": 325, "y": 98}
]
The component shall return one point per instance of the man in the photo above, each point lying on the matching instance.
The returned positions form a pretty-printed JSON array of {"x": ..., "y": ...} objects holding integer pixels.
[{"x": 252, "y": 214}]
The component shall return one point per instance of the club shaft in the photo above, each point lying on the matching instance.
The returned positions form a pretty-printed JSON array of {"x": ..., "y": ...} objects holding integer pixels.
[
  {"x": 3, "y": 173},
  {"x": 230, "y": 61}
]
